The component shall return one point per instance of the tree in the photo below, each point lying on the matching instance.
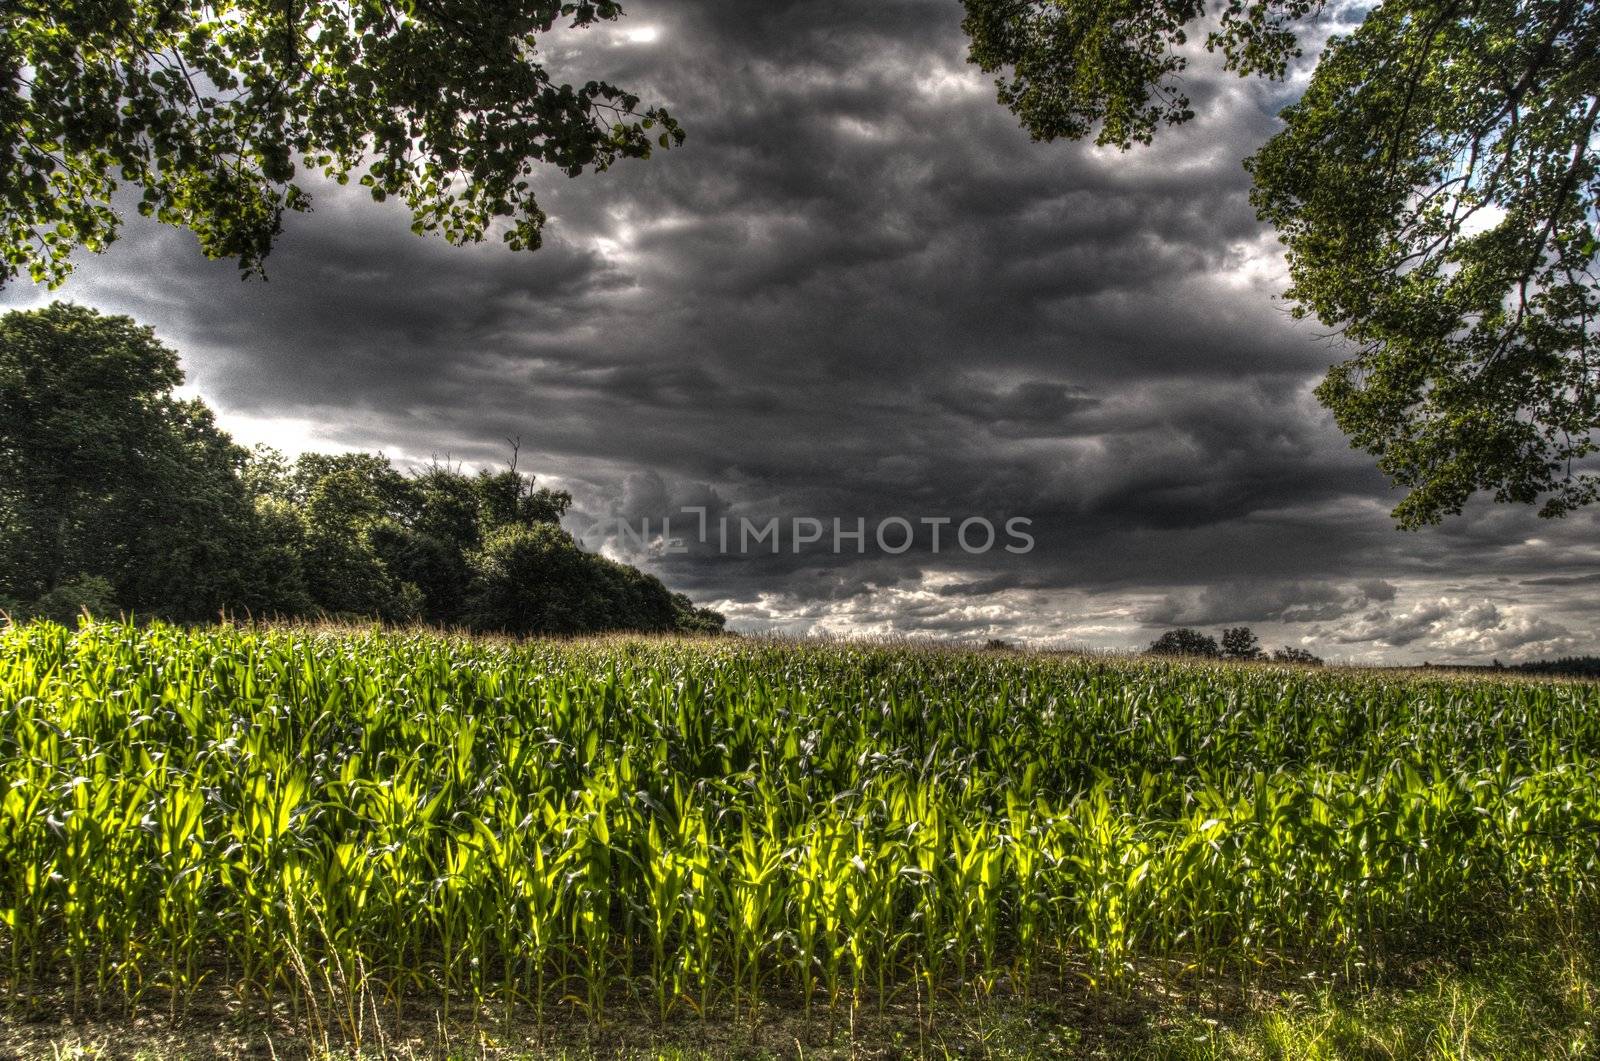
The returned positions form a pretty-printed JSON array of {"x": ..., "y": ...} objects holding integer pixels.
[
  {"x": 1290, "y": 654},
  {"x": 507, "y": 499},
  {"x": 1239, "y": 643},
  {"x": 347, "y": 502},
  {"x": 117, "y": 496},
  {"x": 105, "y": 475},
  {"x": 211, "y": 109},
  {"x": 1185, "y": 642},
  {"x": 532, "y": 578},
  {"x": 485, "y": 550},
  {"x": 689, "y": 618},
  {"x": 278, "y": 572},
  {"x": 535, "y": 580},
  {"x": 1436, "y": 188}
]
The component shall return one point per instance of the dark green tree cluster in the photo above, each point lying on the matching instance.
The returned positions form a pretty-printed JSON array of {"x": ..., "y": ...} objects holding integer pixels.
[
  {"x": 1238, "y": 643},
  {"x": 117, "y": 495},
  {"x": 1185, "y": 642},
  {"x": 1568, "y": 666}
]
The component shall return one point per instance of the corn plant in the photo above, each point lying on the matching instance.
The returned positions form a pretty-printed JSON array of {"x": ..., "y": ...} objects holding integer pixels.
[{"x": 354, "y": 819}]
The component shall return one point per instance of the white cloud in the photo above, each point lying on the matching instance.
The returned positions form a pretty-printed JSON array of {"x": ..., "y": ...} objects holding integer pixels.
[{"x": 1460, "y": 629}]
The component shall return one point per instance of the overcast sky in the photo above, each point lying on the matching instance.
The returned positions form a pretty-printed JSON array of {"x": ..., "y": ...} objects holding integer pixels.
[{"x": 859, "y": 291}]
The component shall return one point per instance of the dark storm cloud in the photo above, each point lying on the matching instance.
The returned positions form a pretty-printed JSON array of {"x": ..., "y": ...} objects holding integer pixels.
[
  {"x": 1563, "y": 580},
  {"x": 1032, "y": 409},
  {"x": 860, "y": 291}
]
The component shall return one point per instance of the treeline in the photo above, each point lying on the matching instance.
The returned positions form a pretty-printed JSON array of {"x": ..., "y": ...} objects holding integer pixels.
[
  {"x": 1238, "y": 643},
  {"x": 1562, "y": 667},
  {"x": 117, "y": 495},
  {"x": 1565, "y": 667}
]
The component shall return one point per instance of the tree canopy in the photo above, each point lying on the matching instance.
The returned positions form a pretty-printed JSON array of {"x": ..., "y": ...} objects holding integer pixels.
[
  {"x": 1436, "y": 189},
  {"x": 1238, "y": 642},
  {"x": 211, "y": 110},
  {"x": 105, "y": 474},
  {"x": 114, "y": 494},
  {"x": 1185, "y": 642}
]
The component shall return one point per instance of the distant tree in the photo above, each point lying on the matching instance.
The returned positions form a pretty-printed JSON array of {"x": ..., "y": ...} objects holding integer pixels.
[
  {"x": 1290, "y": 654},
  {"x": 1185, "y": 642},
  {"x": 482, "y": 550},
  {"x": 507, "y": 499},
  {"x": 621, "y": 597},
  {"x": 1436, "y": 186},
  {"x": 1239, "y": 643},
  {"x": 447, "y": 505},
  {"x": 535, "y": 580},
  {"x": 525, "y": 581},
  {"x": 694, "y": 619},
  {"x": 1566, "y": 666},
  {"x": 435, "y": 566},
  {"x": 278, "y": 573},
  {"x": 209, "y": 109}
]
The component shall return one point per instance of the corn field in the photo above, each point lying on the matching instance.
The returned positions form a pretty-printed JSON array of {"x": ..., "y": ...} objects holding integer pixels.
[{"x": 694, "y": 827}]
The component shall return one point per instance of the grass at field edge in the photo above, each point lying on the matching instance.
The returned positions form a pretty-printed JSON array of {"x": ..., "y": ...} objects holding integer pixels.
[{"x": 1535, "y": 993}]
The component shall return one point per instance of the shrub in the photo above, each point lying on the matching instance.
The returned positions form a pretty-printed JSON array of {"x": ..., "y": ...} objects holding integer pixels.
[{"x": 70, "y": 599}]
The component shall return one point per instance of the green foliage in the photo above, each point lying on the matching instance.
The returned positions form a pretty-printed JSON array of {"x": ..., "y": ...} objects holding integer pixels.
[
  {"x": 505, "y": 501},
  {"x": 1075, "y": 67},
  {"x": 70, "y": 599},
  {"x": 211, "y": 109},
  {"x": 1436, "y": 187},
  {"x": 1567, "y": 666},
  {"x": 533, "y": 579},
  {"x": 1185, "y": 642},
  {"x": 485, "y": 551},
  {"x": 676, "y": 824},
  {"x": 105, "y": 475},
  {"x": 690, "y": 618},
  {"x": 1239, "y": 643},
  {"x": 346, "y": 502},
  {"x": 278, "y": 581}
]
